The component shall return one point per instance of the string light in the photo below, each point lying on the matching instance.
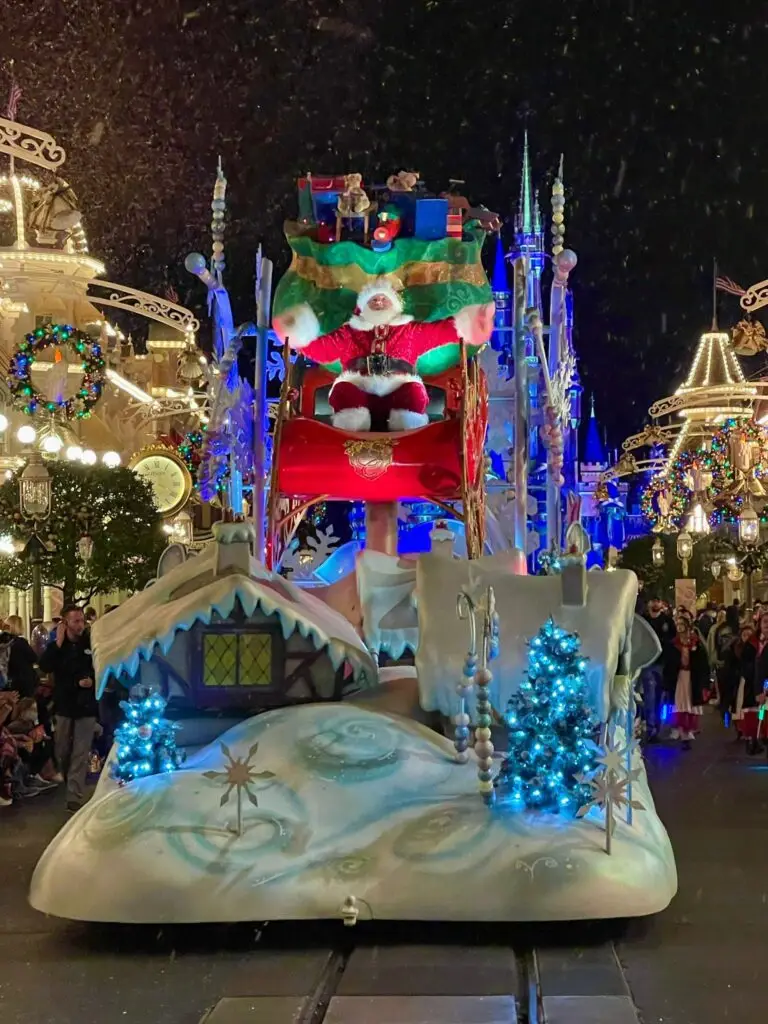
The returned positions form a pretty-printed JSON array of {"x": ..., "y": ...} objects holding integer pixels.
[
  {"x": 714, "y": 459},
  {"x": 146, "y": 742},
  {"x": 30, "y": 399}
]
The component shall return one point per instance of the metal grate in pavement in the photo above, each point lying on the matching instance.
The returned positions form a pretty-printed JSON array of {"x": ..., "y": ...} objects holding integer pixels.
[
  {"x": 589, "y": 1010},
  {"x": 256, "y": 1010},
  {"x": 421, "y": 1010}
]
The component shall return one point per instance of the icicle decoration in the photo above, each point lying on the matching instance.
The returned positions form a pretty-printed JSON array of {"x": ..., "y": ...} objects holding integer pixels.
[
  {"x": 218, "y": 206},
  {"x": 483, "y": 678},
  {"x": 465, "y": 609},
  {"x": 558, "y": 212}
]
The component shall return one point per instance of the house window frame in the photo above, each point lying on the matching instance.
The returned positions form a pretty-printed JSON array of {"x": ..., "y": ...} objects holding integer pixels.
[{"x": 265, "y": 695}]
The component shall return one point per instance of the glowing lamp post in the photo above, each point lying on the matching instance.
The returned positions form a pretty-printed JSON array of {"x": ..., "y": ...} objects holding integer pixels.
[
  {"x": 182, "y": 529},
  {"x": 35, "y": 490},
  {"x": 698, "y": 523},
  {"x": 716, "y": 568},
  {"x": 749, "y": 526},
  {"x": 85, "y": 547},
  {"x": 657, "y": 553},
  {"x": 684, "y": 549}
]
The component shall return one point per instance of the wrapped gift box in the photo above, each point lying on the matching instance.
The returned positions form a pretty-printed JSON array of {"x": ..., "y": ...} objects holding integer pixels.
[
  {"x": 430, "y": 219},
  {"x": 455, "y": 226},
  {"x": 324, "y": 192}
]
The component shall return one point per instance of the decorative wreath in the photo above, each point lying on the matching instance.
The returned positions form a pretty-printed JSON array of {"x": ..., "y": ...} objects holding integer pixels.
[
  {"x": 715, "y": 459},
  {"x": 27, "y": 396}
]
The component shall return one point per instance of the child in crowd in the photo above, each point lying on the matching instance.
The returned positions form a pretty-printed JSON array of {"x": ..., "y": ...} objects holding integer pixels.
[
  {"x": 9, "y": 755},
  {"x": 34, "y": 745}
]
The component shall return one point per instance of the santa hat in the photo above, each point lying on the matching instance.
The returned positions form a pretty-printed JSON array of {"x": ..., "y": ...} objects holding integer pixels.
[{"x": 390, "y": 286}]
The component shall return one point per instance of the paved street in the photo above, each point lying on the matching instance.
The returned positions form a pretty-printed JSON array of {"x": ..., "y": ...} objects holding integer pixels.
[{"x": 700, "y": 962}]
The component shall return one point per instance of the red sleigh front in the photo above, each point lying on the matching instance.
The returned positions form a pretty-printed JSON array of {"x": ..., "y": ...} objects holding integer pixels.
[{"x": 441, "y": 463}]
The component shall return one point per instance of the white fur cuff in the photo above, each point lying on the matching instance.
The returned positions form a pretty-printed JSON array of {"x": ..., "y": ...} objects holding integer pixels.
[
  {"x": 298, "y": 325},
  {"x": 404, "y": 419},
  {"x": 474, "y": 324},
  {"x": 353, "y": 419}
]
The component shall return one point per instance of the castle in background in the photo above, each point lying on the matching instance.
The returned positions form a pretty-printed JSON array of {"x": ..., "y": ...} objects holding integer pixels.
[{"x": 609, "y": 519}]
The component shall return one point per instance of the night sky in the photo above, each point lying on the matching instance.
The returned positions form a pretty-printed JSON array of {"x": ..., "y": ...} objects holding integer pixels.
[{"x": 658, "y": 108}]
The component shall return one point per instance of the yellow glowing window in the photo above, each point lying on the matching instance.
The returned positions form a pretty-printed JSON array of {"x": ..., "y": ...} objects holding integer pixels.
[{"x": 237, "y": 659}]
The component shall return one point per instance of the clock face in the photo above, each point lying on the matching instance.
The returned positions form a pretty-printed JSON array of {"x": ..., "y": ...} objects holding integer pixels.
[{"x": 167, "y": 478}]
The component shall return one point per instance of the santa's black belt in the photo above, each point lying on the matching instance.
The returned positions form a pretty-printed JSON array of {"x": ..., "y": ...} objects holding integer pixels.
[{"x": 378, "y": 366}]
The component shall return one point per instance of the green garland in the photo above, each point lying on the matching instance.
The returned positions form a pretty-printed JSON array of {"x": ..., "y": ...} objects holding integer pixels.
[{"x": 30, "y": 399}]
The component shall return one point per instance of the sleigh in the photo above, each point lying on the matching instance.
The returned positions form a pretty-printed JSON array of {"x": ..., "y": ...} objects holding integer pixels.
[{"x": 441, "y": 463}]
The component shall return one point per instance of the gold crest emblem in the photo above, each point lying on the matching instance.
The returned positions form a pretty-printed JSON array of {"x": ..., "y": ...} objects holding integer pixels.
[{"x": 370, "y": 459}]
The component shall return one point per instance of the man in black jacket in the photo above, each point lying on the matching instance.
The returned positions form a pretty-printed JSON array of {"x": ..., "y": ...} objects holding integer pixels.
[
  {"x": 68, "y": 658},
  {"x": 652, "y": 676}
]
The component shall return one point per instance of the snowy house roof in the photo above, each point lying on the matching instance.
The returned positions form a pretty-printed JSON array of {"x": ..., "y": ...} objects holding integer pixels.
[{"x": 212, "y": 583}]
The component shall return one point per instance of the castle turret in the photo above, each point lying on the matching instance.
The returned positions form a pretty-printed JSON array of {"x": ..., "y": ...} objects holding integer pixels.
[
  {"x": 529, "y": 238},
  {"x": 594, "y": 451}
]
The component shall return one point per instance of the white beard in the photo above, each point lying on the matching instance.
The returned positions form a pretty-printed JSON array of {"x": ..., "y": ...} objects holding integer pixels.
[{"x": 380, "y": 317}]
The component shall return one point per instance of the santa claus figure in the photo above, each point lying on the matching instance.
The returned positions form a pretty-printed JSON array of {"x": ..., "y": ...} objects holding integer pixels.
[{"x": 378, "y": 349}]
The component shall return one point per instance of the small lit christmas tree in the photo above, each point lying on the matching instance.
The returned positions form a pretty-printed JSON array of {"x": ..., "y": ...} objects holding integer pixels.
[
  {"x": 145, "y": 742},
  {"x": 550, "y": 727}
]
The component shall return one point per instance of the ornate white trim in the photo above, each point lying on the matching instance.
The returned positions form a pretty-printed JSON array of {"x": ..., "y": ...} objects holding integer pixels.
[
  {"x": 650, "y": 436},
  {"x": 630, "y": 468},
  {"x": 31, "y": 145},
  {"x": 755, "y": 297},
  {"x": 702, "y": 397},
  {"x": 150, "y": 306}
]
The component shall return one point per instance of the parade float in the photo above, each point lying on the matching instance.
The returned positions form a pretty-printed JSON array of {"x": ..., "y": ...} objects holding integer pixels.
[{"x": 496, "y": 778}]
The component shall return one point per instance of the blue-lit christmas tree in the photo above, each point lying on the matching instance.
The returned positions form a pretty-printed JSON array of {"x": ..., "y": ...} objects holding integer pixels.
[
  {"x": 145, "y": 742},
  {"x": 551, "y": 727}
]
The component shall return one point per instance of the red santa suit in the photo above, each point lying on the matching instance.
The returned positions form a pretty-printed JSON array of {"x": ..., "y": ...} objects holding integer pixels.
[{"x": 378, "y": 351}]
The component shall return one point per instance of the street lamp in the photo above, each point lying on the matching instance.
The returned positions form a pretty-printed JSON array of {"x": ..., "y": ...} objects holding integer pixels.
[
  {"x": 698, "y": 523},
  {"x": 182, "y": 529},
  {"x": 85, "y": 547},
  {"x": 735, "y": 572},
  {"x": 35, "y": 491},
  {"x": 715, "y": 569},
  {"x": 684, "y": 549},
  {"x": 749, "y": 525},
  {"x": 657, "y": 552}
]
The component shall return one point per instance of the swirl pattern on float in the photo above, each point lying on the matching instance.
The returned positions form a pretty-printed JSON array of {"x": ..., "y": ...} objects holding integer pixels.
[
  {"x": 349, "y": 749},
  {"x": 121, "y": 816}
]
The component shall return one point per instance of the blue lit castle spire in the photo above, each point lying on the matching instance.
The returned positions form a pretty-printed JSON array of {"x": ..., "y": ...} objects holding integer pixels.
[
  {"x": 529, "y": 243},
  {"x": 604, "y": 517},
  {"x": 529, "y": 237},
  {"x": 594, "y": 450}
]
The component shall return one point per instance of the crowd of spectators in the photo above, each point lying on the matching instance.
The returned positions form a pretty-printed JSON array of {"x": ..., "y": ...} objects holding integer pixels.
[
  {"x": 49, "y": 714},
  {"x": 718, "y": 656}
]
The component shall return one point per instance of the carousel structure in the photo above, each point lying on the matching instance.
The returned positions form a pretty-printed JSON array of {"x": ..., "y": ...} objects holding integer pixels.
[
  {"x": 703, "y": 442},
  {"x": 75, "y": 383}
]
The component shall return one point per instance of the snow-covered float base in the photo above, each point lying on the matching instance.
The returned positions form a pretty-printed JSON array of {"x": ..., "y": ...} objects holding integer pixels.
[{"x": 362, "y": 804}]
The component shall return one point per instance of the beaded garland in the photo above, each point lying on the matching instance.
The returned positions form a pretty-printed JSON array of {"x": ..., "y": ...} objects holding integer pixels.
[{"x": 30, "y": 399}]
